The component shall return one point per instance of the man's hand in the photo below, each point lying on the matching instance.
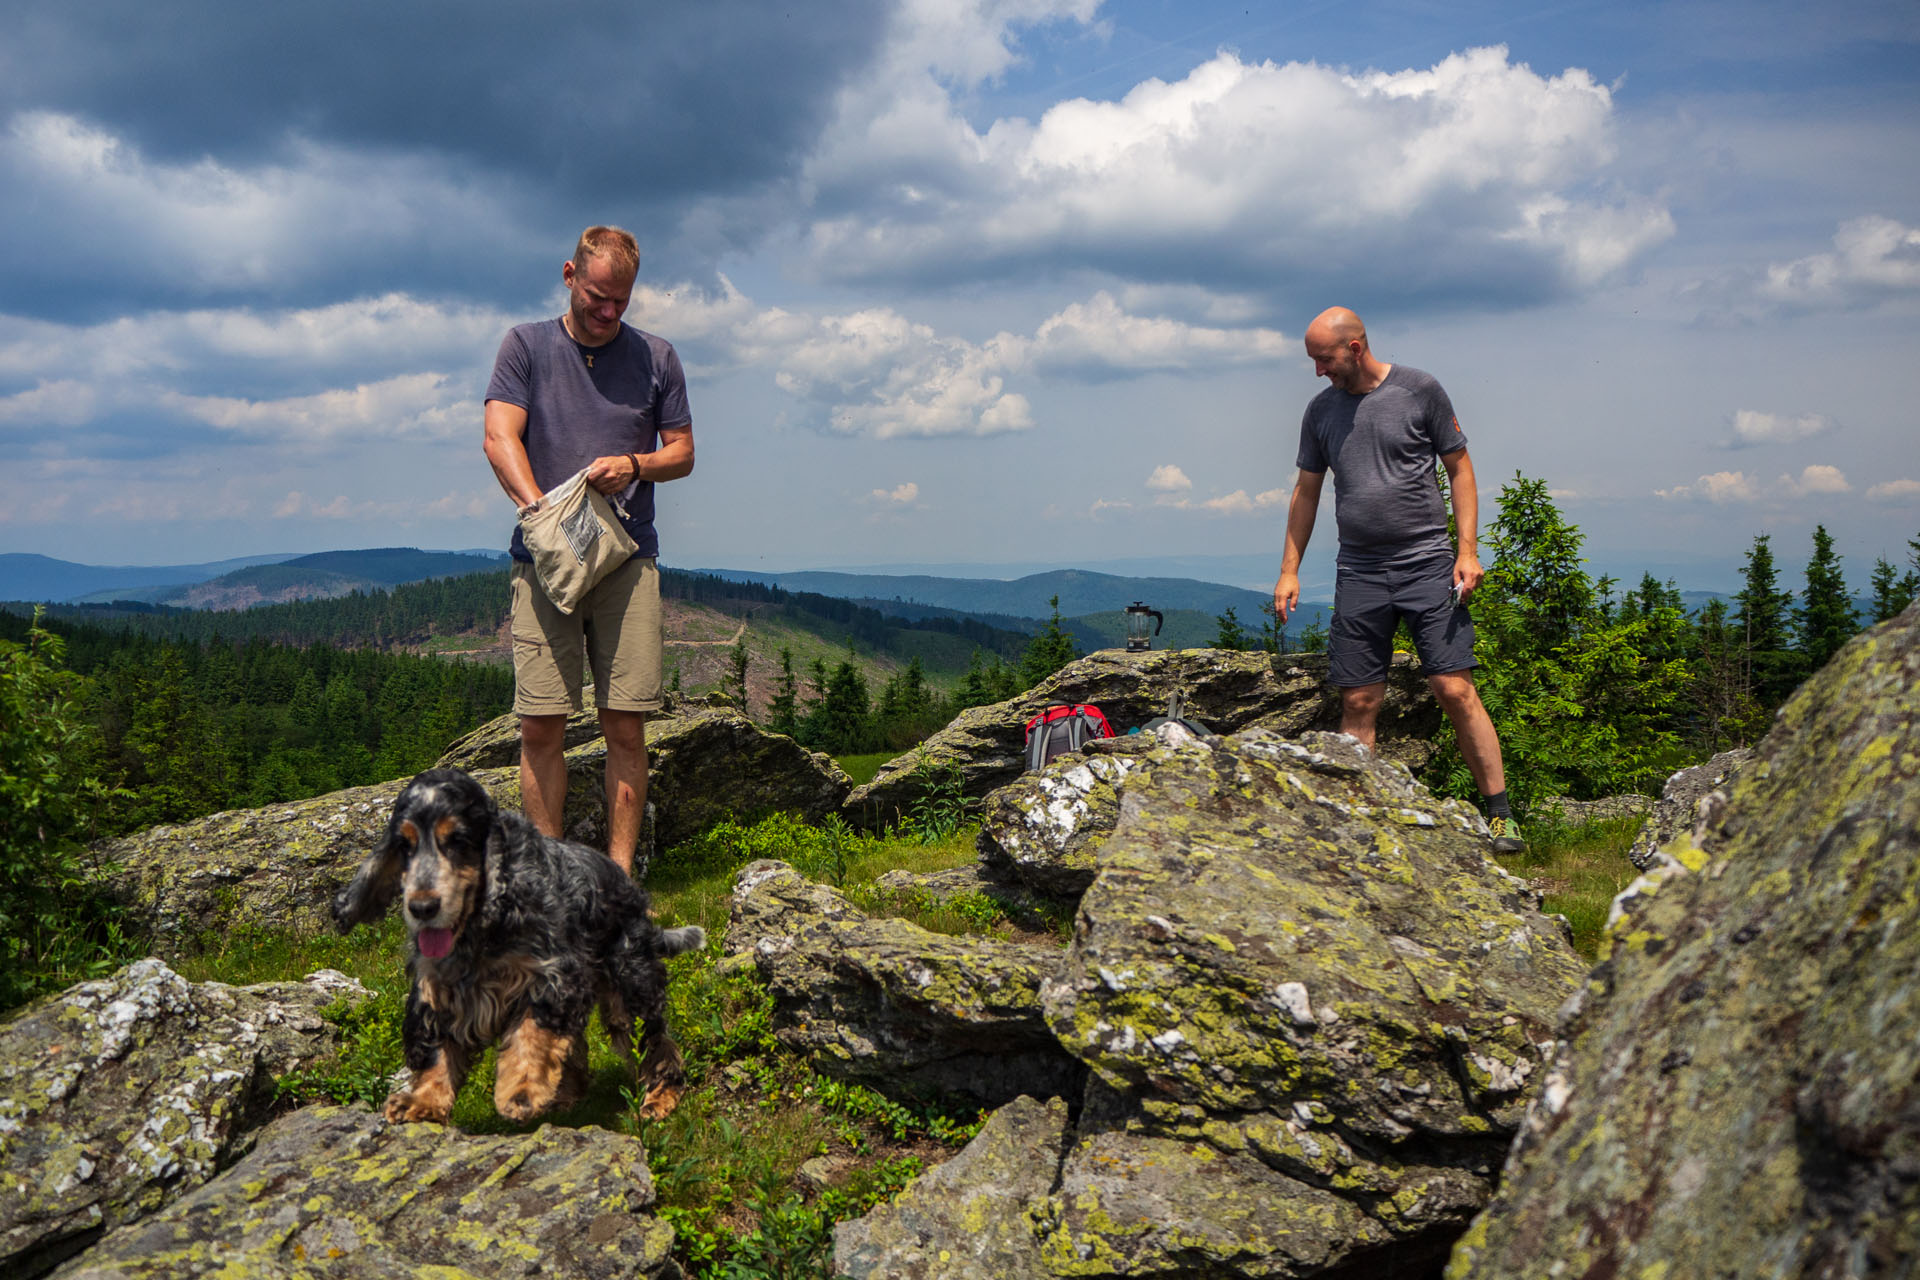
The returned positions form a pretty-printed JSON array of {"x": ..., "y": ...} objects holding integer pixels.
[
  {"x": 1467, "y": 574},
  {"x": 1286, "y": 595},
  {"x": 612, "y": 473}
]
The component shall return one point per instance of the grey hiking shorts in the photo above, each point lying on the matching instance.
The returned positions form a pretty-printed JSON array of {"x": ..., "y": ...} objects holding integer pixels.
[{"x": 1367, "y": 603}]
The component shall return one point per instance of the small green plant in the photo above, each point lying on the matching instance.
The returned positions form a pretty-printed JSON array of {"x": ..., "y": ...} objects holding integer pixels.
[
  {"x": 370, "y": 1054},
  {"x": 939, "y": 806}
]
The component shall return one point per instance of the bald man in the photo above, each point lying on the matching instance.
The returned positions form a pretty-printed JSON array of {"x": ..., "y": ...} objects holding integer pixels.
[{"x": 1378, "y": 428}]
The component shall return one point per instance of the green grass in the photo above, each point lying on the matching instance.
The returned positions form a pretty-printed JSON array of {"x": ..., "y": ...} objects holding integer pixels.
[
  {"x": 726, "y": 1163},
  {"x": 863, "y": 768},
  {"x": 1581, "y": 869}
]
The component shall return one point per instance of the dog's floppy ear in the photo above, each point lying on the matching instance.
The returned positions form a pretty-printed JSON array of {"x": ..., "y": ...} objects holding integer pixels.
[{"x": 375, "y": 885}]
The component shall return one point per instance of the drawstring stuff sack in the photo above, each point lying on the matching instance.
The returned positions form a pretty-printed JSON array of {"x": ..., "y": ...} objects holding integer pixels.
[{"x": 575, "y": 540}]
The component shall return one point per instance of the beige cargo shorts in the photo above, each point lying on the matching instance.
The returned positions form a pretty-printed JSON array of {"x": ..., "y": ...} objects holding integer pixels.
[{"x": 616, "y": 629}]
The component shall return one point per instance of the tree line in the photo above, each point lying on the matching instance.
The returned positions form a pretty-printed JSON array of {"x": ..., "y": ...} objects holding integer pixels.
[
  {"x": 177, "y": 729},
  {"x": 835, "y": 710}
]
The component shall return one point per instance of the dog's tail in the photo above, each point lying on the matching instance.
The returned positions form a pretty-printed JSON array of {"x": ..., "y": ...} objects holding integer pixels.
[{"x": 675, "y": 941}]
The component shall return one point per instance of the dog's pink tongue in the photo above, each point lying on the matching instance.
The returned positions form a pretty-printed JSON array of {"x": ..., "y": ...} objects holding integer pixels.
[{"x": 435, "y": 943}]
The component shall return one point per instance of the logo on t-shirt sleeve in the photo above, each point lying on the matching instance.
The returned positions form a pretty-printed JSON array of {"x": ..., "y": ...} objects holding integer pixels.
[{"x": 1456, "y": 426}]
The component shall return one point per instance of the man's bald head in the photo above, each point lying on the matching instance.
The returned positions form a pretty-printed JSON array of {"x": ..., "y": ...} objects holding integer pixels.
[
  {"x": 1336, "y": 342},
  {"x": 1339, "y": 326}
]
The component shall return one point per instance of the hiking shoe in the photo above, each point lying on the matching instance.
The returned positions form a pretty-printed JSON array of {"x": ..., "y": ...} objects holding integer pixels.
[{"x": 1506, "y": 835}]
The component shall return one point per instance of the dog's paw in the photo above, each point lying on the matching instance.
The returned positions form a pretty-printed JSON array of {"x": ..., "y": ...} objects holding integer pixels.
[
  {"x": 404, "y": 1108},
  {"x": 660, "y": 1101},
  {"x": 524, "y": 1104}
]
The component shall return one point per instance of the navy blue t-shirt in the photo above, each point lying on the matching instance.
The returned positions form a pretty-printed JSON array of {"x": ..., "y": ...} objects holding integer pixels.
[{"x": 586, "y": 402}]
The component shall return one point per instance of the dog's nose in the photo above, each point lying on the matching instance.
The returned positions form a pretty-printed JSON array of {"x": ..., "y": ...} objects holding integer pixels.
[{"x": 423, "y": 908}]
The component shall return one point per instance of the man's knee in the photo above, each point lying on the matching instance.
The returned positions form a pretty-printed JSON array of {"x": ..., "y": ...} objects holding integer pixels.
[
  {"x": 624, "y": 730},
  {"x": 543, "y": 735},
  {"x": 1454, "y": 690},
  {"x": 1362, "y": 701}
]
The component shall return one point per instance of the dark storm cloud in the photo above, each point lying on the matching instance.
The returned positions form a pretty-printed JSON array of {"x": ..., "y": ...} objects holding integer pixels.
[{"x": 423, "y": 135}]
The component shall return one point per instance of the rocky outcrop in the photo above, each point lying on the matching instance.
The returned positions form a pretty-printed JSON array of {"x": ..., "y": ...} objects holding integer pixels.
[
  {"x": 1579, "y": 813},
  {"x": 1678, "y": 811},
  {"x": 1227, "y": 691},
  {"x": 120, "y": 1095},
  {"x": 885, "y": 1003},
  {"x": 965, "y": 1220},
  {"x": 343, "y": 1194},
  {"x": 1313, "y": 1009},
  {"x": 1738, "y": 1087},
  {"x": 1044, "y": 829},
  {"x": 278, "y": 867}
]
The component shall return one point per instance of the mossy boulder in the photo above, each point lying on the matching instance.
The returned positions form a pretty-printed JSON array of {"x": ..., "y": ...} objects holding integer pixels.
[
  {"x": 278, "y": 867},
  {"x": 1045, "y": 829},
  {"x": 1301, "y": 981},
  {"x": 966, "y": 1219},
  {"x": 120, "y": 1095},
  {"x": 1737, "y": 1090},
  {"x": 341, "y": 1194},
  {"x": 885, "y": 1003},
  {"x": 1678, "y": 810},
  {"x": 1225, "y": 690}
]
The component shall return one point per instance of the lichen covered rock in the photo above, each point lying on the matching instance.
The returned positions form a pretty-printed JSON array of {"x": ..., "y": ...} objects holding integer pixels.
[
  {"x": 1227, "y": 691},
  {"x": 340, "y": 1194},
  {"x": 1738, "y": 1088},
  {"x": 966, "y": 1219},
  {"x": 1678, "y": 810},
  {"x": 117, "y": 1096},
  {"x": 887, "y": 1004},
  {"x": 1316, "y": 996},
  {"x": 1045, "y": 828}
]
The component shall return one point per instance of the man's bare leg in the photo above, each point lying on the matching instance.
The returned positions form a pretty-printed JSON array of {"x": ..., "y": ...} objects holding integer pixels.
[
  {"x": 1359, "y": 709},
  {"x": 1479, "y": 744},
  {"x": 543, "y": 771},
  {"x": 626, "y": 734}
]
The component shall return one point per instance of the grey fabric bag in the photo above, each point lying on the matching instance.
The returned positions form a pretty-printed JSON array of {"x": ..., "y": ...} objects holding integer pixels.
[{"x": 575, "y": 540}]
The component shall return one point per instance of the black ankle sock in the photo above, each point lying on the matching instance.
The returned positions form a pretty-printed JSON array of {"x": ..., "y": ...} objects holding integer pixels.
[{"x": 1497, "y": 806}]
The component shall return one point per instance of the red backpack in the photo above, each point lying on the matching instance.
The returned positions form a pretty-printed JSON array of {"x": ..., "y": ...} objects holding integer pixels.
[{"x": 1065, "y": 726}]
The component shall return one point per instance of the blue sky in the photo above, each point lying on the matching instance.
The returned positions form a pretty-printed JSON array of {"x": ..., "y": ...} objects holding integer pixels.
[{"x": 980, "y": 281}]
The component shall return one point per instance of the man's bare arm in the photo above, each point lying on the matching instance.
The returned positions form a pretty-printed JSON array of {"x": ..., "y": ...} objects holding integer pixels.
[
  {"x": 1466, "y": 520},
  {"x": 1302, "y": 508},
  {"x": 506, "y": 448}
]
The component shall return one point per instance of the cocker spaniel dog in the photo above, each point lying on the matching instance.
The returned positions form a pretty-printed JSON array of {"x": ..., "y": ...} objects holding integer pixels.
[{"x": 515, "y": 937}]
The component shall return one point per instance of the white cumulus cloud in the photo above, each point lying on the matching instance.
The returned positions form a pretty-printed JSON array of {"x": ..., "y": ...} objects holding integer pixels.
[
  {"x": 1872, "y": 258},
  {"x": 901, "y": 495},
  {"x": 1751, "y": 427},
  {"x": 1169, "y": 479},
  {"x": 1476, "y": 173},
  {"x": 1727, "y": 487},
  {"x": 1902, "y": 490}
]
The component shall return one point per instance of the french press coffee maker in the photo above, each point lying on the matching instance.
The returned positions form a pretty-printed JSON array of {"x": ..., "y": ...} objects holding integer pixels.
[{"x": 1138, "y": 637}]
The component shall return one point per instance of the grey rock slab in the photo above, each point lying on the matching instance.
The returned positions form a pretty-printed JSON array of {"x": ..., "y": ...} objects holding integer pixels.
[
  {"x": 119, "y": 1095},
  {"x": 966, "y": 1219},
  {"x": 890, "y": 1005},
  {"x": 1737, "y": 1092},
  {"x": 331, "y": 1193},
  {"x": 1227, "y": 691},
  {"x": 1678, "y": 812}
]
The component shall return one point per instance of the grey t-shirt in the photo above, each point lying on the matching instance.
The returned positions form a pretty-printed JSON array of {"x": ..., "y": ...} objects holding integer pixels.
[
  {"x": 578, "y": 411},
  {"x": 1381, "y": 448}
]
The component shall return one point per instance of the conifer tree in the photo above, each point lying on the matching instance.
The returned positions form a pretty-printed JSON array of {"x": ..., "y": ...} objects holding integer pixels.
[
  {"x": 737, "y": 672},
  {"x": 1825, "y": 618},
  {"x": 1230, "y": 635},
  {"x": 783, "y": 712},
  {"x": 1761, "y": 620},
  {"x": 1048, "y": 651}
]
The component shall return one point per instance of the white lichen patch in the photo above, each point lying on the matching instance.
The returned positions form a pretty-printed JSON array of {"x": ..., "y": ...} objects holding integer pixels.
[{"x": 1291, "y": 998}]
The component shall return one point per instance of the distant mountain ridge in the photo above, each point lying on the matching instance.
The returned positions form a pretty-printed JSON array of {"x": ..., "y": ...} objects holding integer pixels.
[
  {"x": 1081, "y": 591},
  {"x": 234, "y": 584}
]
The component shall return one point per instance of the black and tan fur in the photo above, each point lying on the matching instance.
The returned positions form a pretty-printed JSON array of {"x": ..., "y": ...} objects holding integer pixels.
[{"x": 542, "y": 931}]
